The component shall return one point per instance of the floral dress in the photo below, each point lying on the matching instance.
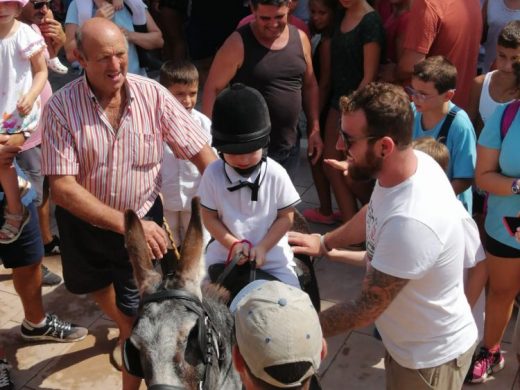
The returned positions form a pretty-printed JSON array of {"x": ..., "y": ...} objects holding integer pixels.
[{"x": 16, "y": 78}]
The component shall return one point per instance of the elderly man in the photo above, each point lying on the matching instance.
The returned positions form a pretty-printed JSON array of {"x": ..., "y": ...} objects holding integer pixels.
[
  {"x": 416, "y": 241},
  {"x": 273, "y": 57},
  {"x": 102, "y": 150},
  {"x": 279, "y": 338}
]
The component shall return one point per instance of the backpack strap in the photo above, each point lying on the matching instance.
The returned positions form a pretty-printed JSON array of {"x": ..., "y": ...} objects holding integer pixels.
[
  {"x": 507, "y": 117},
  {"x": 445, "y": 128}
]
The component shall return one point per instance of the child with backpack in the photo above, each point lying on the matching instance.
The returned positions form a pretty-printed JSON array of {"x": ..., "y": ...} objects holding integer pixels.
[{"x": 432, "y": 88}]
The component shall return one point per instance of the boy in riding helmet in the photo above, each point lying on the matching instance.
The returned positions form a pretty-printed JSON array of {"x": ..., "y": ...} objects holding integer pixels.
[{"x": 248, "y": 199}]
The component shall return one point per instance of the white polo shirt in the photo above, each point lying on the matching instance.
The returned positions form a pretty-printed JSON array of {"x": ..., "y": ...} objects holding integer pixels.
[{"x": 248, "y": 219}]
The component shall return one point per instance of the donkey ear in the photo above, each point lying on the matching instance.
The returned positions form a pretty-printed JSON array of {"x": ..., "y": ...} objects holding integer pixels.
[
  {"x": 139, "y": 253},
  {"x": 189, "y": 266}
]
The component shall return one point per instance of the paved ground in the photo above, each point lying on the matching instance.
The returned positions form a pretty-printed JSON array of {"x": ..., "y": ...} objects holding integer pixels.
[{"x": 355, "y": 360}]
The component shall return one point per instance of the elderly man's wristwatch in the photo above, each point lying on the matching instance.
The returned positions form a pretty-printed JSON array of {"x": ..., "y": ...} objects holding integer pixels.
[{"x": 515, "y": 187}]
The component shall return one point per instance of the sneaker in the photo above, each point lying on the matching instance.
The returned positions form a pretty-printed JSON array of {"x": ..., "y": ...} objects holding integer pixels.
[
  {"x": 52, "y": 248},
  {"x": 54, "y": 330},
  {"x": 314, "y": 215},
  {"x": 5, "y": 379},
  {"x": 49, "y": 278},
  {"x": 484, "y": 364}
]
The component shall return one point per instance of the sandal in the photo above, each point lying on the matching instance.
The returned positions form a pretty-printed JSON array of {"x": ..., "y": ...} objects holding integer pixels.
[{"x": 9, "y": 232}]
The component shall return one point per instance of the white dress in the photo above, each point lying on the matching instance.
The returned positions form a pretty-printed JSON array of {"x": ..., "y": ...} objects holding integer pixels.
[{"x": 16, "y": 78}]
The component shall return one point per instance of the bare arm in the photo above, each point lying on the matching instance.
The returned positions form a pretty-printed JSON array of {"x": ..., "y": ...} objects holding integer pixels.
[
  {"x": 461, "y": 185},
  {"x": 371, "y": 59},
  {"x": 487, "y": 174},
  {"x": 203, "y": 158},
  {"x": 324, "y": 81},
  {"x": 224, "y": 67},
  {"x": 150, "y": 40},
  {"x": 278, "y": 229},
  {"x": 357, "y": 258},
  {"x": 406, "y": 63},
  {"x": 39, "y": 71},
  {"x": 69, "y": 194},
  {"x": 216, "y": 228},
  {"x": 378, "y": 291},
  {"x": 311, "y": 98},
  {"x": 54, "y": 35},
  {"x": 474, "y": 103},
  {"x": 351, "y": 232},
  {"x": 70, "y": 41}
]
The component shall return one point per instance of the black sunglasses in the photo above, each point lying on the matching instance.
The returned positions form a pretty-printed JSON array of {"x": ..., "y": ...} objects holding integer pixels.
[
  {"x": 41, "y": 4},
  {"x": 349, "y": 141}
]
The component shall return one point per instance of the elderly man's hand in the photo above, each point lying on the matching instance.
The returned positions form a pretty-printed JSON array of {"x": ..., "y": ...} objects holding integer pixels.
[
  {"x": 156, "y": 238},
  {"x": 107, "y": 11}
]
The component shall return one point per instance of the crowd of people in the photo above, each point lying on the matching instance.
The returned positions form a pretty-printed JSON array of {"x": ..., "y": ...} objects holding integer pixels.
[{"x": 374, "y": 86}]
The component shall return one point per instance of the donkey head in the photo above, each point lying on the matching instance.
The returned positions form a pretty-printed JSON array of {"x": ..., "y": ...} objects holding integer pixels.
[{"x": 183, "y": 336}]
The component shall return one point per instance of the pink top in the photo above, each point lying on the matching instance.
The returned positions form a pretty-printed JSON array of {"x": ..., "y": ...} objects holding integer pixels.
[
  {"x": 295, "y": 21},
  {"x": 36, "y": 137},
  {"x": 118, "y": 166}
]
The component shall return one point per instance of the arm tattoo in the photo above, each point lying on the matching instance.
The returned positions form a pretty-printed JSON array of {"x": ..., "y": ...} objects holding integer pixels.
[{"x": 378, "y": 291}]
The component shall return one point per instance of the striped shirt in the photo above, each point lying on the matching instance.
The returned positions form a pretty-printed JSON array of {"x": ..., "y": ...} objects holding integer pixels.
[{"x": 120, "y": 166}]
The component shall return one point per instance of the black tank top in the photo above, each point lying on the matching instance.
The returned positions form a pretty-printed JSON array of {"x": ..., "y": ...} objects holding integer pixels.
[{"x": 278, "y": 75}]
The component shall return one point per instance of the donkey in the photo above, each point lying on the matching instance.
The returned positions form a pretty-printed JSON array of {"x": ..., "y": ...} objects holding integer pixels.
[{"x": 184, "y": 336}]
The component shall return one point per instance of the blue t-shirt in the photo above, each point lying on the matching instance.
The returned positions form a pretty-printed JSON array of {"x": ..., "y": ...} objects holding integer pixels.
[
  {"x": 462, "y": 144},
  {"x": 122, "y": 18},
  {"x": 509, "y": 166}
]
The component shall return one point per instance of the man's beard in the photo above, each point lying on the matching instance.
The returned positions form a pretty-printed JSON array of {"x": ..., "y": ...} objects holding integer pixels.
[{"x": 368, "y": 170}]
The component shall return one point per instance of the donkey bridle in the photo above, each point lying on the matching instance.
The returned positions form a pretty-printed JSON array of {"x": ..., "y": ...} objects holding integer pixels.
[{"x": 209, "y": 339}]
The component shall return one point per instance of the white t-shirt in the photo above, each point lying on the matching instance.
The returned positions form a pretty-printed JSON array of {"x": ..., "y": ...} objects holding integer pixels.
[
  {"x": 180, "y": 178},
  {"x": 415, "y": 231},
  {"x": 248, "y": 219}
]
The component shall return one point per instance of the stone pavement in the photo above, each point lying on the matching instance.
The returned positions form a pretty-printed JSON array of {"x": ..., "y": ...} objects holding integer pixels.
[{"x": 355, "y": 360}]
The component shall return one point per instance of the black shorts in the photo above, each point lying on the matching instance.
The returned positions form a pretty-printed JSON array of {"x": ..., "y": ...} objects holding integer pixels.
[
  {"x": 180, "y": 6},
  {"x": 28, "y": 249},
  {"x": 496, "y": 248},
  {"x": 95, "y": 258}
]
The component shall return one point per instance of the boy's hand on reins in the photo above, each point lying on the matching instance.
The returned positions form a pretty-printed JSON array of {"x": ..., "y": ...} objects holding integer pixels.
[
  {"x": 258, "y": 254},
  {"x": 241, "y": 249}
]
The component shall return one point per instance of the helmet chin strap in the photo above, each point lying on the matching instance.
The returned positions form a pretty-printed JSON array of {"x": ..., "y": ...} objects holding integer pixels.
[{"x": 246, "y": 171}]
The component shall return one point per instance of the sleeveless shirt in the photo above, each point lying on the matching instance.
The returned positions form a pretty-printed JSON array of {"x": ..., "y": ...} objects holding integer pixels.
[
  {"x": 278, "y": 76},
  {"x": 487, "y": 104}
]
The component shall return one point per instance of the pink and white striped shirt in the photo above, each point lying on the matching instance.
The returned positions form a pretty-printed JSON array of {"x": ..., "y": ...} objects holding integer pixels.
[{"x": 120, "y": 166}]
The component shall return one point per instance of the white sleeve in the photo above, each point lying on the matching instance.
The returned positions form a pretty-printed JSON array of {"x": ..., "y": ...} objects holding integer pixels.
[
  {"x": 208, "y": 186},
  {"x": 406, "y": 248},
  {"x": 287, "y": 195}
]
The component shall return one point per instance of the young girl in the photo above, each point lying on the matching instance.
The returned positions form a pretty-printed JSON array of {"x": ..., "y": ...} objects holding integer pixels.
[
  {"x": 23, "y": 74},
  {"x": 322, "y": 16},
  {"x": 356, "y": 49},
  {"x": 137, "y": 8}
]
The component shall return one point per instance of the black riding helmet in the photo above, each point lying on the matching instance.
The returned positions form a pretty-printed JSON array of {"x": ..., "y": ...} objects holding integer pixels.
[{"x": 240, "y": 122}]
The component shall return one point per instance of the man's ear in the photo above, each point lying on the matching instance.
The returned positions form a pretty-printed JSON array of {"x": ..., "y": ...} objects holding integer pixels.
[
  {"x": 387, "y": 145},
  {"x": 80, "y": 57},
  {"x": 448, "y": 95}
]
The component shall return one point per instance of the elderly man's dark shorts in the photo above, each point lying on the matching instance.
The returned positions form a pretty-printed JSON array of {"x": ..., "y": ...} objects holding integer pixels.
[
  {"x": 95, "y": 258},
  {"x": 178, "y": 5},
  {"x": 28, "y": 249}
]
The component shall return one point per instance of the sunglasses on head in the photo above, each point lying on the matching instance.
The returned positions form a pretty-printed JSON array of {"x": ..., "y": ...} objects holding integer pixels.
[{"x": 41, "y": 4}]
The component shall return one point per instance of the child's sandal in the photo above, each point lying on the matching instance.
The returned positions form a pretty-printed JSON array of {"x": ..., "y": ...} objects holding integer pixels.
[{"x": 10, "y": 233}]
